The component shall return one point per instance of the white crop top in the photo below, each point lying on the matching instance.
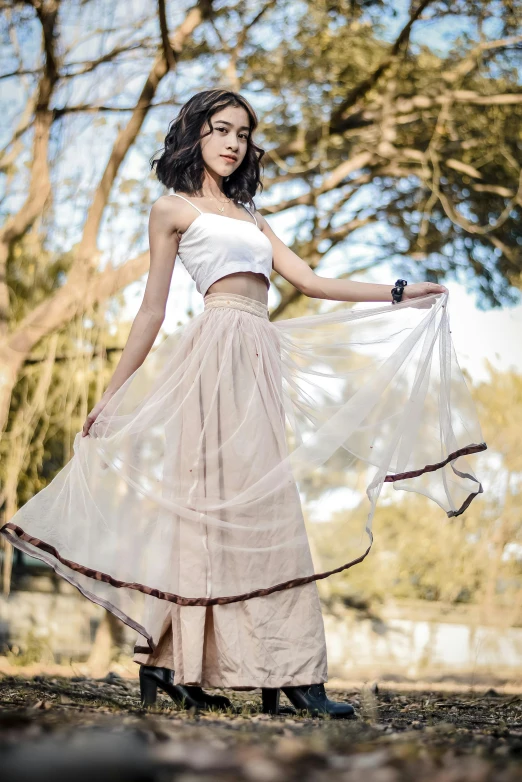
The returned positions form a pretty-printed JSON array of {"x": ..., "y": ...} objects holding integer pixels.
[{"x": 216, "y": 245}]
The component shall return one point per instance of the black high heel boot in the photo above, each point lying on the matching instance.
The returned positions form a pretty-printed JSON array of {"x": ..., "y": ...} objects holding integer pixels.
[
  {"x": 152, "y": 677},
  {"x": 314, "y": 700},
  {"x": 270, "y": 702},
  {"x": 148, "y": 688},
  {"x": 203, "y": 698}
]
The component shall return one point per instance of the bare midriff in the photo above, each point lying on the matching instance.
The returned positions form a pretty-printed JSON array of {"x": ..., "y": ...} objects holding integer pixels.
[{"x": 249, "y": 284}]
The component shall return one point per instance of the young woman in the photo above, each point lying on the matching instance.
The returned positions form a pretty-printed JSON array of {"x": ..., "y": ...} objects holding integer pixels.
[{"x": 179, "y": 511}]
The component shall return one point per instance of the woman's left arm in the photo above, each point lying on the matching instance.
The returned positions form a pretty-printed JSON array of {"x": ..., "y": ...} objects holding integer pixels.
[{"x": 301, "y": 276}]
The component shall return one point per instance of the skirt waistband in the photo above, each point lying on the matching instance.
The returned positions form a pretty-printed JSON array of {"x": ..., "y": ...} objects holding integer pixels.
[{"x": 236, "y": 301}]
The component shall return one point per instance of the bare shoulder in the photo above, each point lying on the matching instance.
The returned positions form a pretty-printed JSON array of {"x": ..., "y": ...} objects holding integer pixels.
[
  {"x": 262, "y": 223},
  {"x": 164, "y": 207},
  {"x": 167, "y": 213},
  {"x": 266, "y": 228}
]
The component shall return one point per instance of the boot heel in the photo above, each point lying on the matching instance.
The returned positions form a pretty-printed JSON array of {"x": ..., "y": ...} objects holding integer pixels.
[
  {"x": 148, "y": 689},
  {"x": 270, "y": 700}
]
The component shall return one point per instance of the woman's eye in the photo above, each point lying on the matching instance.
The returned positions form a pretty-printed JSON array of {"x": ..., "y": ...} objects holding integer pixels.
[{"x": 241, "y": 136}]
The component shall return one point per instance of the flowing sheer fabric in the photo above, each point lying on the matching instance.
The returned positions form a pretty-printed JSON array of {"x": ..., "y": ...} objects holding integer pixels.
[{"x": 187, "y": 488}]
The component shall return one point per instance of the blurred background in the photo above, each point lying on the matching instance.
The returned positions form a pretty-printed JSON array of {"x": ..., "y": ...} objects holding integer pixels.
[{"x": 393, "y": 149}]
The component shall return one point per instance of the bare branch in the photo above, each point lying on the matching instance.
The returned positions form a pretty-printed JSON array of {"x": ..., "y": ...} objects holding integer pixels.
[
  {"x": 83, "y": 67},
  {"x": 233, "y": 52},
  {"x": 90, "y": 109},
  {"x": 333, "y": 179},
  {"x": 361, "y": 89},
  {"x": 82, "y": 282},
  {"x": 168, "y": 51},
  {"x": 40, "y": 185},
  {"x": 25, "y": 122},
  {"x": 472, "y": 228},
  {"x": 108, "y": 57},
  {"x": 128, "y": 135},
  {"x": 57, "y": 310},
  {"x": 470, "y": 62},
  {"x": 19, "y": 72}
]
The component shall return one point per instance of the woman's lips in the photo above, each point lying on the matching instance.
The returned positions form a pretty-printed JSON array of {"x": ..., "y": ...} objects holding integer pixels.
[{"x": 230, "y": 159}]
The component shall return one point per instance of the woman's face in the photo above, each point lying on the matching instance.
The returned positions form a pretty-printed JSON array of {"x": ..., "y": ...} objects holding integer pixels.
[{"x": 229, "y": 137}]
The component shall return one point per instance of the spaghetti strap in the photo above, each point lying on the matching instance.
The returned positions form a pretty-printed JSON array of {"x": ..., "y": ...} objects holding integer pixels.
[
  {"x": 188, "y": 202},
  {"x": 250, "y": 213}
]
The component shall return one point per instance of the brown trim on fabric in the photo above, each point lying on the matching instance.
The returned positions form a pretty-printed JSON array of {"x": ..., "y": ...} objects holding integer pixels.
[
  {"x": 20, "y": 544},
  {"x": 431, "y": 467},
  {"x": 468, "y": 500},
  {"x": 9, "y": 530},
  {"x": 141, "y": 650}
]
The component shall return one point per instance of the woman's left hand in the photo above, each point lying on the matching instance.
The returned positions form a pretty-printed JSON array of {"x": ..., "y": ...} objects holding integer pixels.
[{"x": 419, "y": 289}]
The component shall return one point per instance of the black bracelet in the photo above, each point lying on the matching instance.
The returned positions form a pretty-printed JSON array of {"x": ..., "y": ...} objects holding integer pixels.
[{"x": 398, "y": 290}]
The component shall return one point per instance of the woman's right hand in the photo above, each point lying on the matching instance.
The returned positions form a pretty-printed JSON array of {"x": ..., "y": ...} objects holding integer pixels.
[{"x": 95, "y": 412}]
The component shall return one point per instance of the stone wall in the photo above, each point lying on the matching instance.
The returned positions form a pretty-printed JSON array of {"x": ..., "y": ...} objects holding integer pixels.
[
  {"x": 52, "y": 626},
  {"x": 403, "y": 644},
  {"x": 53, "y": 622}
]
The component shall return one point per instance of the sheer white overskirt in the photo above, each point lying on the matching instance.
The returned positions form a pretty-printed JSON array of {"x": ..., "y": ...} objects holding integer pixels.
[{"x": 189, "y": 486}]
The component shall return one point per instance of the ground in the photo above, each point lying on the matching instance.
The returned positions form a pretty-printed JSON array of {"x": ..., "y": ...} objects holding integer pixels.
[{"x": 80, "y": 728}]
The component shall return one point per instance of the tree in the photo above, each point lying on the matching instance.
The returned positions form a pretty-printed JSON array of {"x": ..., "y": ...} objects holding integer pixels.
[
  {"x": 408, "y": 123},
  {"x": 361, "y": 134}
]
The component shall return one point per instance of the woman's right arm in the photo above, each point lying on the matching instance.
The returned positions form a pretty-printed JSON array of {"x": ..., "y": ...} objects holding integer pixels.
[{"x": 163, "y": 243}]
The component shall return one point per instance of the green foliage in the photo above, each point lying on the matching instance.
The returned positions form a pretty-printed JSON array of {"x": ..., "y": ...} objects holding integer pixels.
[
  {"x": 84, "y": 360},
  {"x": 443, "y": 172},
  {"x": 35, "y": 650}
]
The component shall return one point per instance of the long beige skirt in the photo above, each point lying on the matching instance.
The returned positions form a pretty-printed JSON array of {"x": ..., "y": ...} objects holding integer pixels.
[
  {"x": 271, "y": 641},
  {"x": 181, "y": 511}
]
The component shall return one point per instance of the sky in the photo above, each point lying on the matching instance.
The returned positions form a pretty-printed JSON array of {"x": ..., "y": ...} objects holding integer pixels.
[
  {"x": 495, "y": 335},
  {"x": 478, "y": 335}
]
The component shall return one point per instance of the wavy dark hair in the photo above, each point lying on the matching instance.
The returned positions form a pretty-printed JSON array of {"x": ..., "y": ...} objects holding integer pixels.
[{"x": 180, "y": 165}]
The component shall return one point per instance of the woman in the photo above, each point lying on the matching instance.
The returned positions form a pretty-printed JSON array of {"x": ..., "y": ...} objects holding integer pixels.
[{"x": 179, "y": 511}]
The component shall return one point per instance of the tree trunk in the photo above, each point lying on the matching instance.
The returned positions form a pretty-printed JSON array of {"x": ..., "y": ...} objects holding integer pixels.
[{"x": 107, "y": 641}]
